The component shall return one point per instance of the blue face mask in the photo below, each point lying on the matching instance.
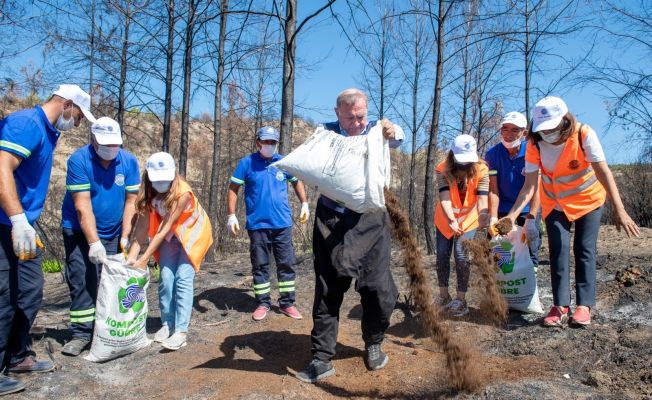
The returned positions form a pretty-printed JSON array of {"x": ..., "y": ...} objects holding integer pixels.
[
  {"x": 162, "y": 186},
  {"x": 551, "y": 137}
]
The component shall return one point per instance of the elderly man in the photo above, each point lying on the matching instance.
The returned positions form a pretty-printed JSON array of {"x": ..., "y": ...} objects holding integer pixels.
[
  {"x": 27, "y": 142},
  {"x": 343, "y": 239},
  {"x": 506, "y": 178},
  {"x": 102, "y": 182}
]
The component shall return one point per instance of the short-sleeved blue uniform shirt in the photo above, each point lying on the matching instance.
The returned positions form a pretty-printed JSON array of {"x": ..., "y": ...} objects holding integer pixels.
[
  {"x": 29, "y": 134},
  {"x": 509, "y": 173},
  {"x": 108, "y": 187},
  {"x": 266, "y": 192}
]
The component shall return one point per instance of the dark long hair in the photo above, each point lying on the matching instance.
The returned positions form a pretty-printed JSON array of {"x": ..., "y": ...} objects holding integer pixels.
[{"x": 455, "y": 172}]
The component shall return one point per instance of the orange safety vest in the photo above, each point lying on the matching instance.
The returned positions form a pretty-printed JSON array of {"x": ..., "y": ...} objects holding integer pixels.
[
  {"x": 572, "y": 184},
  {"x": 193, "y": 229},
  {"x": 466, "y": 212}
]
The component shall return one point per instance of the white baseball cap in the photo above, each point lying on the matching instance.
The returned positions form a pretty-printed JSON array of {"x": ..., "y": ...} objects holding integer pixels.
[
  {"x": 106, "y": 131},
  {"x": 548, "y": 113},
  {"x": 514, "y": 118},
  {"x": 78, "y": 96},
  {"x": 160, "y": 167},
  {"x": 464, "y": 149}
]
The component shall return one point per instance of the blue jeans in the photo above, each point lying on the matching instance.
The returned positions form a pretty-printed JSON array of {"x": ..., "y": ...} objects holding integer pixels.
[
  {"x": 584, "y": 247},
  {"x": 175, "y": 289},
  {"x": 462, "y": 264}
]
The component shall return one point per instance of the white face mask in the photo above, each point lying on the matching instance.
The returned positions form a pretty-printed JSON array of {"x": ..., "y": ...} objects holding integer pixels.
[
  {"x": 64, "y": 124},
  {"x": 107, "y": 153},
  {"x": 162, "y": 186},
  {"x": 511, "y": 145},
  {"x": 268, "y": 150},
  {"x": 551, "y": 137}
]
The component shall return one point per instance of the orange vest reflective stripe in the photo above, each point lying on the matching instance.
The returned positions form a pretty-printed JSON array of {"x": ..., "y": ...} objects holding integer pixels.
[
  {"x": 572, "y": 184},
  {"x": 466, "y": 212},
  {"x": 193, "y": 229}
]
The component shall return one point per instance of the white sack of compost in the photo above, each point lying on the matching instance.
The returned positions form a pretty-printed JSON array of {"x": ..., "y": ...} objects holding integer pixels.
[
  {"x": 350, "y": 170},
  {"x": 120, "y": 311},
  {"x": 516, "y": 279}
]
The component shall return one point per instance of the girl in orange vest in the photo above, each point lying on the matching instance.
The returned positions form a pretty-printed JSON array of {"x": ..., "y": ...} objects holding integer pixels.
[
  {"x": 179, "y": 235},
  {"x": 463, "y": 181},
  {"x": 575, "y": 181}
]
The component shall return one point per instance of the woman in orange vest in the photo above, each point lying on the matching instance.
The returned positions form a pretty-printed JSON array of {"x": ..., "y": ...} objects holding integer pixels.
[
  {"x": 463, "y": 181},
  {"x": 179, "y": 235},
  {"x": 575, "y": 181}
]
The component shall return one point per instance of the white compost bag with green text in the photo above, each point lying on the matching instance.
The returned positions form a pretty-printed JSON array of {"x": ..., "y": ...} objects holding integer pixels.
[
  {"x": 120, "y": 311},
  {"x": 516, "y": 279},
  {"x": 350, "y": 170}
]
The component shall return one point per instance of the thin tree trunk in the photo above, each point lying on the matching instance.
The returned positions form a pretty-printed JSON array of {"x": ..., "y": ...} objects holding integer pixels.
[
  {"x": 429, "y": 194},
  {"x": 527, "y": 62},
  {"x": 123, "y": 66},
  {"x": 187, "y": 77},
  {"x": 217, "y": 125},
  {"x": 169, "y": 56},
  {"x": 413, "y": 152},
  {"x": 287, "y": 97}
]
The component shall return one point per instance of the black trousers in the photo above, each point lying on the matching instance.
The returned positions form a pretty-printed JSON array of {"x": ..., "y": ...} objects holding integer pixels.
[
  {"x": 83, "y": 278},
  {"x": 346, "y": 247},
  {"x": 21, "y": 293}
]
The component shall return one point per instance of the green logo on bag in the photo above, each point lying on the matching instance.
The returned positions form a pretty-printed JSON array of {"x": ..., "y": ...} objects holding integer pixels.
[
  {"x": 505, "y": 256},
  {"x": 133, "y": 296}
]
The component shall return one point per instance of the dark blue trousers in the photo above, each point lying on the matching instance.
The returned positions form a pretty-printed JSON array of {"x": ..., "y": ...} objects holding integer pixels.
[
  {"x": 584, "y": 247},
  {"x": 264, "y": 242},
  {"x": 83, "y": 278},
  {"x": 21, "y": 292}
]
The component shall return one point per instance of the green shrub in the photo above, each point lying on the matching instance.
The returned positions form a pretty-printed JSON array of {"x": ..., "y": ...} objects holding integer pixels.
[{"x": 51, "y": 265}]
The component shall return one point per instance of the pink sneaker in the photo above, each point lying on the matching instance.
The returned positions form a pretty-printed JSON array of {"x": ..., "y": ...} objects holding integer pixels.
[
  {"x": 292, "y": 312},
  {"x": 557, "y": 316},
  {"x": 581, "y": 316},
  {"x": 260, "y": 313}
]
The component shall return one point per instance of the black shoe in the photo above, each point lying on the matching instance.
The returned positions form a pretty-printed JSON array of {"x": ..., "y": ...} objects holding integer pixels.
[
  {"x": 75, "y": 347},
  {"x": 375, "y": 358},
  {"x": 8, "y": 385},
  {"x": 316, "y": 371}
]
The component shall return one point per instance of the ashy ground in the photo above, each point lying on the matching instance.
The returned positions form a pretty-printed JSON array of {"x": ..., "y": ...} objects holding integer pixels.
[{"x": 229, "y": 356}]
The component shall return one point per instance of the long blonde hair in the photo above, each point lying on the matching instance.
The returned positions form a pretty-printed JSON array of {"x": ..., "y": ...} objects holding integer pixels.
[{"x": 147, "y": 193}]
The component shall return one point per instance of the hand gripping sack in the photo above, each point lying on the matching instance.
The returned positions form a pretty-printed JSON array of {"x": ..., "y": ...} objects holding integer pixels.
[
  {"x": 516, "y": 279},
  {"x": 350, "y": 170},
  {"x": 120, "y": 311}
]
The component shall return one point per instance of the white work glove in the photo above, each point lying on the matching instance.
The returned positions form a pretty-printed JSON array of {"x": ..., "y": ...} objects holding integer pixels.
[
  {"x": 305, "y": 213},
  {"x": 23, "y": 237},
  {"x": 97, "y": 253},
  {"x": 233, "y": 224},
  {"x": 124, "y": 245},
  {"x": 493, "y": 221}
]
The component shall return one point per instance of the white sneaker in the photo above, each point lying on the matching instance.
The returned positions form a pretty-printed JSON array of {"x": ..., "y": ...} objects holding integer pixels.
[
  {"x": 162, "y": 334},
  {"x": 175, "y": 342},
  {"x": 457, "y": 308}
]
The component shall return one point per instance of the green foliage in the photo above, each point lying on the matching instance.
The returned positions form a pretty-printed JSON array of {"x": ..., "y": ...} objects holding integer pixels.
[{"x": 51, "y": 265}]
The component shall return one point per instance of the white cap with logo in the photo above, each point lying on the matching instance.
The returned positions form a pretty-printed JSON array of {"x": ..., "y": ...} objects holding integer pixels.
[
  {"x": 548, "y": 113},
  {"x": 464, "y": 149},
  {"x": 514, "y": 118},
  {"x": 78, "y": 96},
  {"x": 106, "y": 131},
  {"x": 160, "y": 167}
]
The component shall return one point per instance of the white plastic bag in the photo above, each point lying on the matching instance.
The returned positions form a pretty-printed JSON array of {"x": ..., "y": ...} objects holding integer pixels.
[
  {"x": 350, "y": 170},
  {"x": 120, "y": 311},
  {"x": 516, "y": 280}
]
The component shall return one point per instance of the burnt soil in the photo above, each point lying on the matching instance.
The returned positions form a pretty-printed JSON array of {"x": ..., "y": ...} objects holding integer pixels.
[{"x": 230, "y": 356}]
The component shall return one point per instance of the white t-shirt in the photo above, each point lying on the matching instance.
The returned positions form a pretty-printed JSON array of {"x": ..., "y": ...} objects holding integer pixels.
[{"x": 550, "y": 153}]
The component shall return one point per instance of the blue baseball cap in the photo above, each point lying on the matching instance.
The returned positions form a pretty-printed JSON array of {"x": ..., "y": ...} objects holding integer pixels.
[{"x": 268, "y": 133}]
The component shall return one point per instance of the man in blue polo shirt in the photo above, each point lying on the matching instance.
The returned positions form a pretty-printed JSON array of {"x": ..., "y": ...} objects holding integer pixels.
[
  {"x": 269, "y": 221},
  {"x": 101, "y": 187},
  {"x": 506, "y": 178},
  {"x": 27, "y": 142}
]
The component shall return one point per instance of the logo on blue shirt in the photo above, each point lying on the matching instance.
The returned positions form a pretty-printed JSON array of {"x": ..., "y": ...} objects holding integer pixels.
[{"x": 120, "y": 180}]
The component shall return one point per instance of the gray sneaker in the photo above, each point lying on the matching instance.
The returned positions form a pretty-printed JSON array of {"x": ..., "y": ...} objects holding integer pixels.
[
  {"x": 457, "y": 308},
  {"x": 175, "y": 342},
  {"x": 8, "y": 385},
  {"x": 375, "y": 358},
  {"x": 315, "y": 371},
  {"x": 162, "y": 334},
  {"x": 75, "y": 347}
]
